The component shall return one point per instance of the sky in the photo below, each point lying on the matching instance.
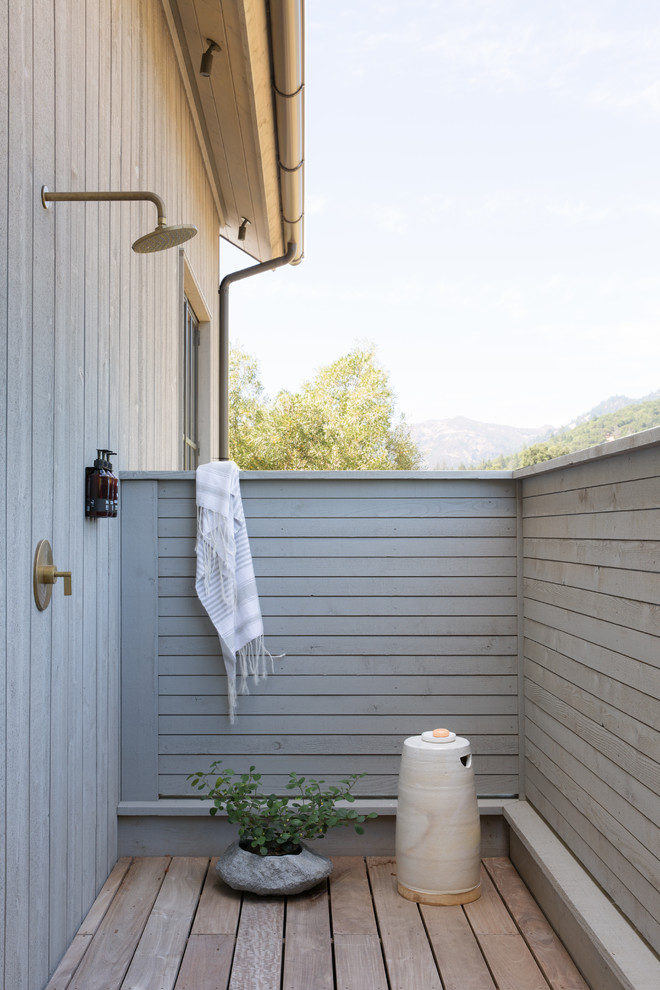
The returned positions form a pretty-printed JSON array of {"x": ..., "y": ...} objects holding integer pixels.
[{"x": 482, "y": 202}]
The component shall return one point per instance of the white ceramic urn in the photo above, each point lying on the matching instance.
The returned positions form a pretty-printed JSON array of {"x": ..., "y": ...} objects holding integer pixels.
[{"x": 438, "y": 833}]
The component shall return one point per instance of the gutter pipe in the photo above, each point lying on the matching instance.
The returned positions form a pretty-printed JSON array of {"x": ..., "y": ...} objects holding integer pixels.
[
  {"x": 287, "y": 42},
  {"x": 223, "y": 292}
]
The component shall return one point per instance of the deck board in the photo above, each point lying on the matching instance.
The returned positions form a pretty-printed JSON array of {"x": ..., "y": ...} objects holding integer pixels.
[
  {"x": 111, "y": 949},
  {"x": 456, "y": 950},
  {"x": 63, "y": 975},
  {"x": 359, "y": 961},
  {"x": 352, "y": 906},
  {"x": 308, "y": 944},
  {"x": 508, "y": 956},
  {"x": 550, "y": 954},
  {"x": 219, "y": 907},
  {"x": 172, "y": 924},
  {"x": 258, "y": 956},
  {"x": 207, "y": 963},
  {"x": 406, "y": 949},
  {"x": 158, "y": 955}
]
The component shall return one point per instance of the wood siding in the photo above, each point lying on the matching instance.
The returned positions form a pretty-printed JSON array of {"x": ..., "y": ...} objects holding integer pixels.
[
  {"x": 592, "y": 669},
  {"x": 393, "y": 598},
  {"x": 90, "y": 98}
]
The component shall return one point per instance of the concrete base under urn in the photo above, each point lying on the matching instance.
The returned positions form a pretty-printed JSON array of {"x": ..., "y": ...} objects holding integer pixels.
[{"x": 266, "y": 875}]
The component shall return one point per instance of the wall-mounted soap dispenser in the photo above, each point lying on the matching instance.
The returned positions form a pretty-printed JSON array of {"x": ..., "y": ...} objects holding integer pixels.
[{"x": 101, "y": 488}]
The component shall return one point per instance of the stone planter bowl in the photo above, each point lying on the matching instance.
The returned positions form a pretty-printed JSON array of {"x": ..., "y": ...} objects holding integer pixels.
[{"x": 266, "y": 875}]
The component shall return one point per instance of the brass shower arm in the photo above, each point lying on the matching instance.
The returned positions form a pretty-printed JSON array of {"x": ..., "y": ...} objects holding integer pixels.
[
  {"x": 102, "y": 197},
  {"x": 159, "y": 239}
]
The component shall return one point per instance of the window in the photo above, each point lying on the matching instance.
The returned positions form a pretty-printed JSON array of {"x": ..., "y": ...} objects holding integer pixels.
[
  {"x": 198, "y": 373},
  {"x": 190, "y": 387}
]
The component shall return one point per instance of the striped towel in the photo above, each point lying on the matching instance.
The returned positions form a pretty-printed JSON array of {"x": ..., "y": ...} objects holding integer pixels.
[{"x": 225, "y": 580}]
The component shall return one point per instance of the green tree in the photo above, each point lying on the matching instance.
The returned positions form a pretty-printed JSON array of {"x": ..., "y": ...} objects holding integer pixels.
[
  {"x": 342, "y": 420},
  {"x": 248, "y": 410}
]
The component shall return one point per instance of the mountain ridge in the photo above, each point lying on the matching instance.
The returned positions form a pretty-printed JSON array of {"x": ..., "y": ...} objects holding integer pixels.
[{"x": 459, "y": 441}]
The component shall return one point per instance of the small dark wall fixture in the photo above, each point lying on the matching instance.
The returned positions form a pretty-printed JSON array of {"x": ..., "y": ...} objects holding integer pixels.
[
  {"x": 101, "y": 488},
  {"x": 207, "y": 58}
]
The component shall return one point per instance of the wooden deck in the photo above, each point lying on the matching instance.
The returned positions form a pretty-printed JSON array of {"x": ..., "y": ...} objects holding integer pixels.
[{"x": 170, "y": 924}]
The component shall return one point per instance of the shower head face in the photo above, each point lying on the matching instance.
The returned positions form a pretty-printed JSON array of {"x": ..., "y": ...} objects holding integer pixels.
[{"x": 164, "y": 237}]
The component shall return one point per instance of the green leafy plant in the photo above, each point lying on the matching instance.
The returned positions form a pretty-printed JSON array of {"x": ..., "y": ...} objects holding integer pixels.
[{"x": 274, "y": 825}]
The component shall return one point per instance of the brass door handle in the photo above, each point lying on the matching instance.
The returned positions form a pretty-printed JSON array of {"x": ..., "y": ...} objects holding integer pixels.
[
  {"x": 45, "y": 574},
  {"x": 48, "y": 575}
]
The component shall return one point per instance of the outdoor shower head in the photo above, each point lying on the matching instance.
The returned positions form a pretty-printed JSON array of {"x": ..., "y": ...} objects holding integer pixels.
[
  {"x": 164, "y": 237},
  {"x": 159, "y": 239}
]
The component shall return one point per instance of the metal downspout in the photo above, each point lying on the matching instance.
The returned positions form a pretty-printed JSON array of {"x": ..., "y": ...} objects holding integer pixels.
[
  {"x": 223, "y": 291},
  {"x": 287, "y": 28}
]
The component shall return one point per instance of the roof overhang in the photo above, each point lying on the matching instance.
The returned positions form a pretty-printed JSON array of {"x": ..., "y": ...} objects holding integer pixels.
[{"x": 249, "y": 113}]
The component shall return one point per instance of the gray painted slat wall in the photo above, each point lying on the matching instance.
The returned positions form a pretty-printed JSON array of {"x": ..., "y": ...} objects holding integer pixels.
[
  {"x": 592, "y": 669},
  {"x": 394, "y": 600},
  {"x": 90, "y": 355}
]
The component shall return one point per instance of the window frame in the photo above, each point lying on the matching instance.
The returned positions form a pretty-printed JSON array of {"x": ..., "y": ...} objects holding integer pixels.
[
  {"x": 191, "y": 342},
  {"x": 206, "y": 440}
]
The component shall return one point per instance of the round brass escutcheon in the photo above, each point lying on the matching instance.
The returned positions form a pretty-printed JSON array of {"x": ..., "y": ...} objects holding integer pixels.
[
  {"x": 45, "y": 574},
  {"x": 43, "y": 557}
]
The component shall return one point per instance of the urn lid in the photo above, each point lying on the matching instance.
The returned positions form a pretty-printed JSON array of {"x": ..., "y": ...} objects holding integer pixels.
[
  {"x": 439, "y": 736},
  {"x": 438, "y": 743}
]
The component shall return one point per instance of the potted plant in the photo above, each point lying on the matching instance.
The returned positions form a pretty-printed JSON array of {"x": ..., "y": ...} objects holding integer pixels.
[{"x": 270, "y": 856}]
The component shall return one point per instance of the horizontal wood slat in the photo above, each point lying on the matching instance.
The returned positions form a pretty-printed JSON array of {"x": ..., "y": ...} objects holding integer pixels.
[
  {"x": 370, "y": 745},
  {"x": 598, "y": 630},
  {"x": 373, "y": 586},
  {"x": 639, "y": 555},
  {"x": 481, "y": 545},
  {"x": 612, "y": 497},
  {"x": 356, "y": 666},
  {"x": 295, "y": 528},
  {"x": 595, "y": 668},
  {"x": 291, "y": 485},
  {"x": 326, "y": 763},
  {"x": 312, "y": 566},
  {"x": 634, "y": 465},
  {"x": 351, "y": 644},
  {"x": 624, "y": 611},
  {"x": 214, "y": 703},
  {"x": 376, "y": 786},
  {"x": 607, "y": 580},
  {"x": 335, "y": 687},
  {"x": 641, "y": 525},
  {"x": 356, "y": 625},
  {"x": 366, "y": 725},
  {"x": 321, "y": 606}
]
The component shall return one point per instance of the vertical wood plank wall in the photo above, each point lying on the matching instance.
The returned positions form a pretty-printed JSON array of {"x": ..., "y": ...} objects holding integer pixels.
[
  {"x": 90, "y": 98},
  {"x": 394, "y": 599},
  {"x": 592, "y": 669}
]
